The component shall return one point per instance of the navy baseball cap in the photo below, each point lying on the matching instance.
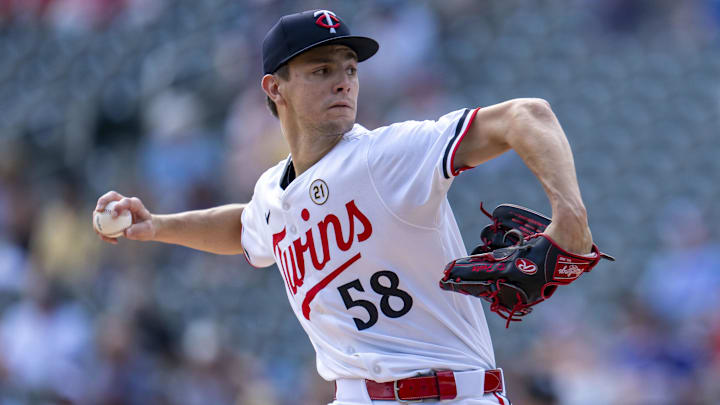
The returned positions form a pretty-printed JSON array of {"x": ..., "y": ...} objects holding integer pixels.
[{"x": 297, "y": 33}]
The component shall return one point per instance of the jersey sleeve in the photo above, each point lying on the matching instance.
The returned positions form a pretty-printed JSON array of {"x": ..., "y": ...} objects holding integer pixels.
[
  {"x": 256, "y": 245},
  {"x": 411, "y": 164}
]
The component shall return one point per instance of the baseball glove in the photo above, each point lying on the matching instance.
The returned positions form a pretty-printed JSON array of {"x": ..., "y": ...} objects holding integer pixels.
[{"x": 517, "y": 266}]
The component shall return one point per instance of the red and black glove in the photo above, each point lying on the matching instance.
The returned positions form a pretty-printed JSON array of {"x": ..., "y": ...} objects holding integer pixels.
[{"x": 517, "y": 266}]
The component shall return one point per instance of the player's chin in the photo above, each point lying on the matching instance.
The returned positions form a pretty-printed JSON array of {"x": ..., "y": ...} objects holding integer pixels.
[{"x": 339, "y": 124}]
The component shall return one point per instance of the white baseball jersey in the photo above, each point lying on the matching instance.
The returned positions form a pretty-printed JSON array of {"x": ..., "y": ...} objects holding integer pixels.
[{"x": 361, "y": 239}]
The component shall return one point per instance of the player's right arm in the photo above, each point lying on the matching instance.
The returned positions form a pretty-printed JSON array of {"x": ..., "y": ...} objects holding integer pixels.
[{"x": 215, "y": 230}]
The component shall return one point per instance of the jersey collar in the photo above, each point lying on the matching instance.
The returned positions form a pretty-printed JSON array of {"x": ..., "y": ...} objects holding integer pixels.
[{"x": 289, "y": 172}]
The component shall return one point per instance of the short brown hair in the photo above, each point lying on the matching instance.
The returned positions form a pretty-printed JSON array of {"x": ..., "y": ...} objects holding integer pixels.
[{"x": 283, "y": 72}]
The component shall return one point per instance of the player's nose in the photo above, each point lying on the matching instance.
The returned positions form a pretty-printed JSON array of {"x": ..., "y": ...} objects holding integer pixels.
[
  {"x": 343, "y": 85},
  {"x": 342, "y": 88}
]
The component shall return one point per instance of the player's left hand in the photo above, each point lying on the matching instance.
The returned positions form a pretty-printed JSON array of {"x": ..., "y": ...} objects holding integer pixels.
[
  {"x": 571, "y": 234},
  {"x": 520, "y": 264}
]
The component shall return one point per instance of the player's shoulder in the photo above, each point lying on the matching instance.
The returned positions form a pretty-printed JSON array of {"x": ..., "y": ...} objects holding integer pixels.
[
  {"x": 399, "y": 127},
  {"x": 438, "y": 124}
]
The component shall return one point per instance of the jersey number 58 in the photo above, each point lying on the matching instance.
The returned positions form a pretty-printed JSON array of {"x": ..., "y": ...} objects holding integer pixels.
[{"x": 385, "y": 291}]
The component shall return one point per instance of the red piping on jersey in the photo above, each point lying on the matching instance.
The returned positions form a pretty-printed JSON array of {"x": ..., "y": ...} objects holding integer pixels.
[
  {"x": 324, "y": 282},
  {"x": 457, "y": 144}
]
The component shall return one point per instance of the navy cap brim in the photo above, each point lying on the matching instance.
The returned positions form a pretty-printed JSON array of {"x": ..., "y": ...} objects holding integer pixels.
[{"x": 364, "y": 47}]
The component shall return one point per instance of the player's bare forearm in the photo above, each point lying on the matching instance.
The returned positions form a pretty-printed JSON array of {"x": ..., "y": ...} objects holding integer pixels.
[
  {"x": 215, "y": 230},
  {"x": 545, "y": 150},
  {"x": 535, "y": 134},
  {"x": 530, "y": 128}
]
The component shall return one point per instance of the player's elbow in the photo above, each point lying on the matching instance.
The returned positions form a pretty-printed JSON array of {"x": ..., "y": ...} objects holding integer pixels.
[{"x": 532, "y": 110}]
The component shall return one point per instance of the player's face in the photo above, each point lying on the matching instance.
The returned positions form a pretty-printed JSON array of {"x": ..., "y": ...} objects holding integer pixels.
[{"x": 321, "y": 94}]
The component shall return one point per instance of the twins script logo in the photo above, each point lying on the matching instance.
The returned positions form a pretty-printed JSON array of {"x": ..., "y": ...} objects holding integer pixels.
[
  {"x": 568, "y": 268},
  {"x": 327, "y": 19},
  {"x": 291, "y": 259}
]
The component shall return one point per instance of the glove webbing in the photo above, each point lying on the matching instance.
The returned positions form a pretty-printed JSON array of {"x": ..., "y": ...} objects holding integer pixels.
[{"x": 492, "y": 295}]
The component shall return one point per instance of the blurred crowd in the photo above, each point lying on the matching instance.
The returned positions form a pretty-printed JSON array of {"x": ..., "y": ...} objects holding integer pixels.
[{"x": 161, "y": 99}]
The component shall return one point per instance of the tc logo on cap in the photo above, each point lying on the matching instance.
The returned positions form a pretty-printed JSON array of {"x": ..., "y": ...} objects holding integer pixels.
[{"x": 325, "y": 20}]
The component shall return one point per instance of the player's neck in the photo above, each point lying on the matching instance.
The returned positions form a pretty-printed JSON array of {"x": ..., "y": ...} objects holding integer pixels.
[{"x": 308, "y": 148}]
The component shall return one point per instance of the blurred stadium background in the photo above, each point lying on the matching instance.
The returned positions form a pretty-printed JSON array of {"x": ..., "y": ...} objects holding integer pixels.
[{"x": 161, "y": 99}]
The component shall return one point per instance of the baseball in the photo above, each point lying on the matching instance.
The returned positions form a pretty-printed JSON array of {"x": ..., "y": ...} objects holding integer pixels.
[{"x": 104, "y": 223}]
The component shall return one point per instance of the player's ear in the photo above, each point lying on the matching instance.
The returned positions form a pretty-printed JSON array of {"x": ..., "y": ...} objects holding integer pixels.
[{"x": 271, "y": 86}]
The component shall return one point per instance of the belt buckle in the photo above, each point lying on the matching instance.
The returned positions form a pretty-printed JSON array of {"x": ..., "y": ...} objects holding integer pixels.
[
  {"x": 502, "y": 378},
  {"x": 397, "y": 396}
]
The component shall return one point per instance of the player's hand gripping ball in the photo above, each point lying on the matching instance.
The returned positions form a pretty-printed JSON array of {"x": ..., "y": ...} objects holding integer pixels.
[
  {"x": 104, "y": 223},
  {"x": 517, "y": 266}
]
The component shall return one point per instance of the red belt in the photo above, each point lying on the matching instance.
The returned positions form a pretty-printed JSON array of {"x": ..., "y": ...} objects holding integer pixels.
[{"x": 439, "y": 387}]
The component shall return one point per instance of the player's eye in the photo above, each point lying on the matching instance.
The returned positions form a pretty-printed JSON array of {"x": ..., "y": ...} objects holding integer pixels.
[
  {"x": 320, "y": 72},
  {"x": 352, "y": 71}
]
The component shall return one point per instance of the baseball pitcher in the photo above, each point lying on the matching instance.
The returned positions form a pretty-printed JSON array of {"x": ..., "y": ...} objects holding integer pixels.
[{"x": 359, "y": 225}]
